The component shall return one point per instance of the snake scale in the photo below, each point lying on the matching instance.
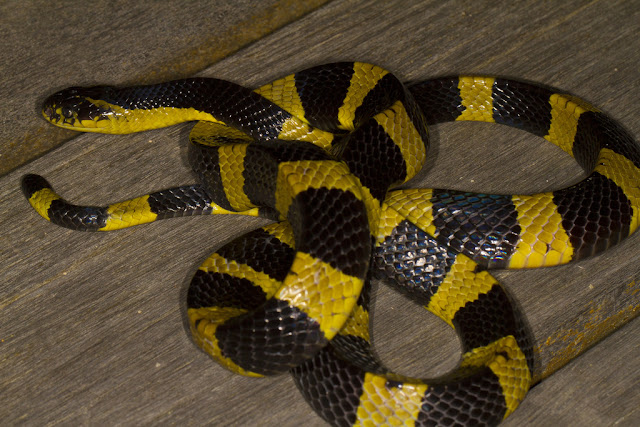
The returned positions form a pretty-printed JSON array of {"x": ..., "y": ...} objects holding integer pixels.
[{"x": 319, "y": 152}]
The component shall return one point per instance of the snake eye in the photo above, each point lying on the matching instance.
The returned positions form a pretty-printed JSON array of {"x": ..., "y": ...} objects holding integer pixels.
[{"x": 67, "y": 112}]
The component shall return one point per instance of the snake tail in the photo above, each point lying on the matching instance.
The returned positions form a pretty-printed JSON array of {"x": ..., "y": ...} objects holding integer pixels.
[{"x": 170, "y": 203}]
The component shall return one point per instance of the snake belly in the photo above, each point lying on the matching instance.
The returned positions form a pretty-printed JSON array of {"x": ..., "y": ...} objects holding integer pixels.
[{"x": 318, "y": 151}]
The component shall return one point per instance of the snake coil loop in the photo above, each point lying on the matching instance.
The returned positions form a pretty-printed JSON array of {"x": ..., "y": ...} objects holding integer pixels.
[{"x": 319, "y": 152}]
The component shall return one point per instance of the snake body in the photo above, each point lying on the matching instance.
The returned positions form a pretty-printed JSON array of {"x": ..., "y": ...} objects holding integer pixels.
[{"x": 318, "y": 151}]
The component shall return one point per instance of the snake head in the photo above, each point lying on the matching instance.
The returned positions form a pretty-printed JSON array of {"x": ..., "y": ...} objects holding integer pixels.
[{"x": 80, "y": 108}]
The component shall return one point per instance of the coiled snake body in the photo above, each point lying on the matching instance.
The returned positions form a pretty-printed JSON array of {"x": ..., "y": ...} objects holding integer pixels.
[{"x": 318, "y": 152}]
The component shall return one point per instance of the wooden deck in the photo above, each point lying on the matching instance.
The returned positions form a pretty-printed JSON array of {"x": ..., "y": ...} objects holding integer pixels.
[{"x": 92, "y": 326}]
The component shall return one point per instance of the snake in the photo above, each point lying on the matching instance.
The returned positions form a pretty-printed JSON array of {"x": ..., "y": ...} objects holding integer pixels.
[{"x": 321, "y": 152}]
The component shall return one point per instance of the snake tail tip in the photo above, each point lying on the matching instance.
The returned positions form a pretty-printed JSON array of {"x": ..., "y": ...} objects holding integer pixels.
[{"x": 31, "y": 183}]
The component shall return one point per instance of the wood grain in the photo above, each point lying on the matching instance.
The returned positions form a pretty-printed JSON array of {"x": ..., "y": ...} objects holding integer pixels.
[{"x": 93, "y": 325}]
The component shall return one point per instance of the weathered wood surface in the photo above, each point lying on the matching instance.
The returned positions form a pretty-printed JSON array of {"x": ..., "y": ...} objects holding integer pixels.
[
  {"x": 93, "y": 327},
  {"x": 598, "y": 388}
]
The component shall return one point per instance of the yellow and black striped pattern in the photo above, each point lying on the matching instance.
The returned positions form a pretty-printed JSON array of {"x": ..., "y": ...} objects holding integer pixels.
[{"x": 319, "y": 150}]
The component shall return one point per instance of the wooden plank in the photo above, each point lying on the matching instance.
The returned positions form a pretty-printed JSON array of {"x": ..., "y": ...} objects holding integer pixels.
[
  {"x": 47, "y": 47},
  {"x": 585, "y": 394},
  {"x": 91, "y": 330}
]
